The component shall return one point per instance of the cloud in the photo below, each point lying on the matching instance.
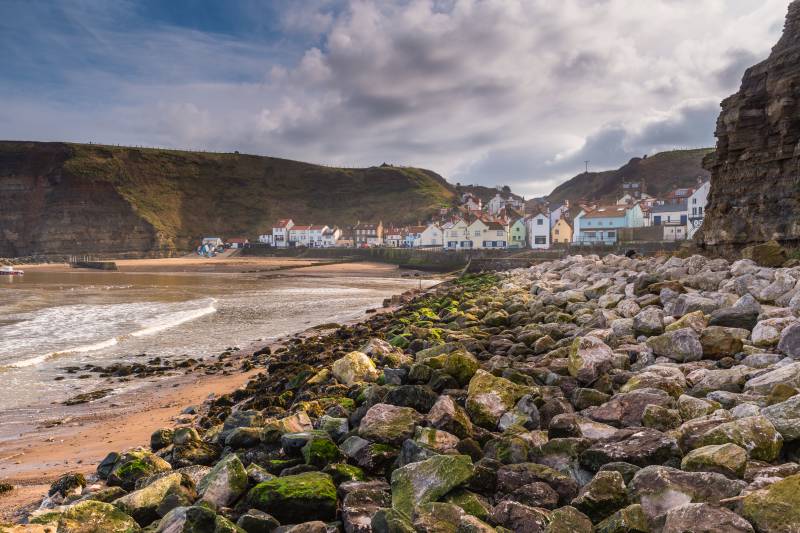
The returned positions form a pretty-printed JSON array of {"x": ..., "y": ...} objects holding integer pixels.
[{"x": 485, "y": 91}]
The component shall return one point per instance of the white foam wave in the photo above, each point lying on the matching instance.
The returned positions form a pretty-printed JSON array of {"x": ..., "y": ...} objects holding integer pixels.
[
  {"x": 175, "y": 319},
  {"x": 73, "y": 324},
  {"x": 33, "y": 361}
]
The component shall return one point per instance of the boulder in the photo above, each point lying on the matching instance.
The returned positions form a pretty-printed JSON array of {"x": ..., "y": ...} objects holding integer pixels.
[
  {"x": 448, "y": 416},
  {"x": 785, "y": 416},
  {"x": 728, "y": 459},
  {"x": 704, "y": 518},
  {"x": 489, "y": 397},
  {"x": 631, "y": 519},
  {"x": 311, "y": 495},
  {"x": 520, "y": 518},
  {"x": 719, "y": 341},
  {"x": 681, "y": 345},
  {"x": 637, "y": 446},
  {"x": 789, "y": 343},
  {"x": 93, "y": 516},
  {"x": 134, "y": 465},
  {"x": 602, "y": 496},
  {"x": 353, "y": 368},
  {"x": 660, "y": 488},
  {"x": 649, "y": 321},
  {"x": 589, "y": 358},
  {"x": 763, "y": 383},
  {"x": 388, "y": 424},
  {"x": 567, "y": 519},
  {"x": 626, "y": 409},
  {"x": 775, "y": 508},
  {"x": 359, "y": 506},
  {"x": 756, "y": 434},
  {"x": 426, "y": 481},
  {"x": 226, "y": 481},
  {"x": 156, "y": 499}
]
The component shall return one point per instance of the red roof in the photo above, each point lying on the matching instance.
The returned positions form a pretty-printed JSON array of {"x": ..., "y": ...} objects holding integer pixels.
[
  {"x": 283, "y": 223},
  {"x": 302, "y": 228}
]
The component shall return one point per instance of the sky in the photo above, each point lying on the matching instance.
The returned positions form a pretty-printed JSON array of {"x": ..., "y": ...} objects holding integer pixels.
[{"x": 495, "y": 92}]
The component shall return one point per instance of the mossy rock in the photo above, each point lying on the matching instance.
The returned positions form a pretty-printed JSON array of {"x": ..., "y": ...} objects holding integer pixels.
[
  {"x": 727, "y": 459},
  {"x": 631, "y": 519},
  {"x": 320, "y": 452},
  {"x": 470, "y": 502},
  {"x": 489, "y": 397},
  {"x": 341, "y": 472},
  {"x": 311, "y": 495},
  {"x": 756, "y": 434},
  {"x": 93, "y": 516},
  {"x": 775, "y": 508},
  {"x": 461, "y": 365},
  {"x": 426, "y": 481},
  {"x": 134, "y": 465}
]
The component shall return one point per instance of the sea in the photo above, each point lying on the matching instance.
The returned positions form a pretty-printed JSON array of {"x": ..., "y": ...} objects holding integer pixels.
[{"x": 50, "y": 321}]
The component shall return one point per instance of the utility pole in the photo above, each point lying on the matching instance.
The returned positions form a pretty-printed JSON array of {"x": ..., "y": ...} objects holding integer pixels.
[{"x": 587, "y": 166}]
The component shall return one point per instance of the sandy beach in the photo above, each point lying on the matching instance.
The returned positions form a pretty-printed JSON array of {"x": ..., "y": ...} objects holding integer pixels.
[{"x": 228, "y": 264}]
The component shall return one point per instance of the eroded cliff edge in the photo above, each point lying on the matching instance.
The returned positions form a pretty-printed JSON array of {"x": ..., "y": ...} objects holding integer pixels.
[{"x": 755, "y": 179}]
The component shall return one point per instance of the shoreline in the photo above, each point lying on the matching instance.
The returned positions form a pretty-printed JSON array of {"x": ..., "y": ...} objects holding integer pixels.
[{"x": 39, "y": 455}]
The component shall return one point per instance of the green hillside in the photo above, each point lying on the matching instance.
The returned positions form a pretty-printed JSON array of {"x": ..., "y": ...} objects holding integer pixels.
[
  {"x": 59, "y": 192},
  {"x": 662, "y": 172}
]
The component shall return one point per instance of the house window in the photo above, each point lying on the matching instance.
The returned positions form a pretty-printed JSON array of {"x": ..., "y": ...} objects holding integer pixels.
[
  {"x": 612, "y": 234},
  {"x": 539, "y": 222},
  {"x": 657, "y": 220},
  {"x": 694, "y": 200},
  {"x": 477, "y": 233},
  {"x": 555, "y": 231},
  {"x": 500, "y": 233},
  {"x": 699, "y": 210},
  {"x": 540, "y": 239}
]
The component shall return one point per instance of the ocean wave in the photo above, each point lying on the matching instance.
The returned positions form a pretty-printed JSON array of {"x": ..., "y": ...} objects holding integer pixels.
[
  {"x": 69, "y": 324},
  {"x": 33, "y": 361},
  {"x": 175, "y": 319}
]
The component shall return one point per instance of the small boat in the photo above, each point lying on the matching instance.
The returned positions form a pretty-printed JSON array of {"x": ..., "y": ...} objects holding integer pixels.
[{"x": 10, "y": 271}]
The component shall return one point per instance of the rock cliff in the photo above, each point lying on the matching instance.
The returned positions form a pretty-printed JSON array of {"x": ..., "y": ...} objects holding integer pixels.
[
  {"x": 60, "y": 198},
  {"x": 755, "y": 183}
]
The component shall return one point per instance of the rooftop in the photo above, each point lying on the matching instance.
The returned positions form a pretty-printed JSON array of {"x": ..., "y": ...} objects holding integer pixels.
[
  {"x": 607, "y": 211},
  {"x": 669, "y": 208}
]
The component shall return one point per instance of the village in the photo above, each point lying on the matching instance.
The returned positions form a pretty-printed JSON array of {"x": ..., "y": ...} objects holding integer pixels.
[{"x": 507, "y": 222}]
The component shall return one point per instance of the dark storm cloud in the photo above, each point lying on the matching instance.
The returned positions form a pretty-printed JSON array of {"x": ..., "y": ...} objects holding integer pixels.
[{"x": 487, "y": 91}]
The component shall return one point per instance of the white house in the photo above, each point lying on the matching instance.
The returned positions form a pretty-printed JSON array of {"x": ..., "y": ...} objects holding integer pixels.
[
  {"x": 315, "y": 235},
  {"x": 455, "y": 235},
  {"x": 669, "y": 214},
  {"x": 697, "y": 208},
  {"x": 431, "y": 236},
  {"x": 539, "y": 231},
  {"x": 471, "y": 202},
  {"x": 393, "y": 237},
  {"x": 266, "y": 239},
  {"x": 330, "y": 236},
  {"x": 280, "y": 233},
  {"x": 300, "y": 235}
]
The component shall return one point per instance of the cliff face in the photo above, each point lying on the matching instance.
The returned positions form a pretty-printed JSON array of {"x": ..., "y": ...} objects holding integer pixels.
[
  {"x": 58, "y": 198},
  {"x": 44, "y": 209},
  {"x": 755, "y": 179}
]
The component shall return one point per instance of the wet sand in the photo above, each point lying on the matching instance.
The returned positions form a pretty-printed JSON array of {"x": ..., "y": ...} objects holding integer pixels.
[{"x": 233, "y": 264}]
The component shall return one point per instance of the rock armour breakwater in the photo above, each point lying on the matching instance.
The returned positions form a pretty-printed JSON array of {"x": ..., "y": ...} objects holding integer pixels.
[{"x": 580, "y": 395}]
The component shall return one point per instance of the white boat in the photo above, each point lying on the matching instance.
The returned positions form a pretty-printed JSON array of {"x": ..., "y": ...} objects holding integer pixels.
[{"x": 10, "y": 271}]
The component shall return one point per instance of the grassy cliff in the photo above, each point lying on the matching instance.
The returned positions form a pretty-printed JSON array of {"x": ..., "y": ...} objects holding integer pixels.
[
  {"x": 185, "y": 195},
  {"x": 662, "y": 172}
]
